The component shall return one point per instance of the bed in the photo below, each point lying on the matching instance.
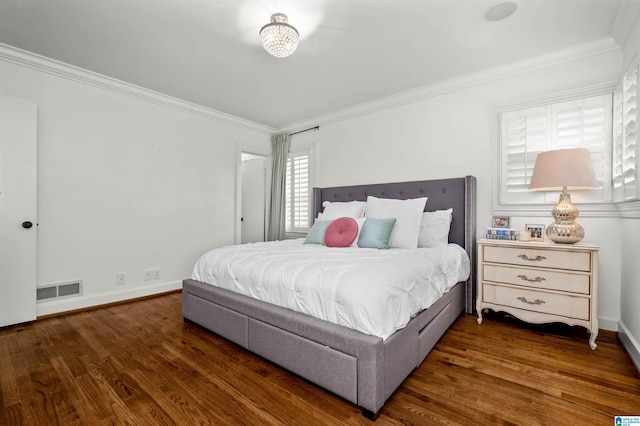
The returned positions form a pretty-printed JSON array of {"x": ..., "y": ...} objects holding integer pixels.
[{"x": 359, "y": 367}]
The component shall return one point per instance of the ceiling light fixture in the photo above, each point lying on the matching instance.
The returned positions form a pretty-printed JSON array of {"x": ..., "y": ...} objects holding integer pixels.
[
  {"x": 500, "y": 11},
  {"x": 278, "y": 37}
]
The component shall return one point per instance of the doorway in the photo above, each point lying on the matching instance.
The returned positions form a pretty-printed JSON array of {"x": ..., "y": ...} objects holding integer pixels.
[
  {"x": 253, "y": 188},
  {"x": 18, "y": 197}
]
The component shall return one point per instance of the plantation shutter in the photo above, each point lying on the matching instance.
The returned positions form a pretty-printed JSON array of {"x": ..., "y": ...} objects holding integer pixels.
[
  {"x": 582, "y": 123},
  {"x": 297, "y": 192},
  {"x": 625, "y": 178},
  {"x": 585, "y": 123},
  {"x": 524, "y": 137},
  {"x": 616, "y": 179}
]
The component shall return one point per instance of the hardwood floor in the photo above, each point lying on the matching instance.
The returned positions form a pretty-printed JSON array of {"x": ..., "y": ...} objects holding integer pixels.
[{"x": 140, "y": 363}]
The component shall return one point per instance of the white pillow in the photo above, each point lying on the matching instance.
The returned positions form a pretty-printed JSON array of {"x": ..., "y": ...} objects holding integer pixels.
[
  {"x": 434, "y": 231},
  {"x": 335, "y": 210},
  {"x": 360, "y": 221},
  {"x": 408, "y": 215}
]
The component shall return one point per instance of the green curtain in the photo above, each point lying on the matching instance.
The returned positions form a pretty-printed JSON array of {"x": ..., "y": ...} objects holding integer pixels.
[{"x": 279, "y": 155}]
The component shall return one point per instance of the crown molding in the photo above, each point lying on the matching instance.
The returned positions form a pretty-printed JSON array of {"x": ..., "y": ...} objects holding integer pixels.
[
  {"x": 60, "y": 69},
  {"x": 50, "y": 66},
  {"x": 626, "y": 19},
  {"x": 582, "y": 51}
]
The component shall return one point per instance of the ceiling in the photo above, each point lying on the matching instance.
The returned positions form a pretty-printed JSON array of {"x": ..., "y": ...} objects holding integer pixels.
[{"x": 351, "y": 51}]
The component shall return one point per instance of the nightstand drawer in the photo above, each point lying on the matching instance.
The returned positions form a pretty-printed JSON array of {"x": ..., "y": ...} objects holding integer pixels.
[
  {"x": 537, "y": 278},
  {"x": 537, "y": 301},
  {"x": 540, "y": 258}
]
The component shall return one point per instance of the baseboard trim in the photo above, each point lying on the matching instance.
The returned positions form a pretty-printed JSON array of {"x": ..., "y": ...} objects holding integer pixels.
[
  {"x": 629, "y": 343},
  {"x": 607, "y": 324},
  {"x": 67, "y": 306}
]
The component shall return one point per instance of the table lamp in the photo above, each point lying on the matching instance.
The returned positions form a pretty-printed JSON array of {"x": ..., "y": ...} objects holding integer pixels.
[{"x": 564, "y": 169}]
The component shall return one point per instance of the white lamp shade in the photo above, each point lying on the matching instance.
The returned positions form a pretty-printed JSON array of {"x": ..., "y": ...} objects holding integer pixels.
[{"x": 570, "y": 168}]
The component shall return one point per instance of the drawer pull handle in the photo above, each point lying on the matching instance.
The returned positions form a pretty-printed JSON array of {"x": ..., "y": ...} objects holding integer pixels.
[
  {"x": 535, "y": 259},
  {"x": 534, "y": 280},
  {"x": 535, "y": 302}
]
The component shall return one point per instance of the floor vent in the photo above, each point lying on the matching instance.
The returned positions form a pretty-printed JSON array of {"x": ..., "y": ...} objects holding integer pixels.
[{"x": 59, "y": 291}]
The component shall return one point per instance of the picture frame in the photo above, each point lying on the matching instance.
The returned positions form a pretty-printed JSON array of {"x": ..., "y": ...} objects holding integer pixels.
[
  {"x": 536, "y": 232},
  {"x": 501, "y": 222}
]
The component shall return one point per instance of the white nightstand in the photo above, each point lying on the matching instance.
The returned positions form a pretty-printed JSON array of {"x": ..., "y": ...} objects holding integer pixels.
[{"x": 540, "y": 282}]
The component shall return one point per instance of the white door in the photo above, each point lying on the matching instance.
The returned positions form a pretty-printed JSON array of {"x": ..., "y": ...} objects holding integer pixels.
[
  {"x": 18, "y": 144},
  {"x": 252, "y": 211}
]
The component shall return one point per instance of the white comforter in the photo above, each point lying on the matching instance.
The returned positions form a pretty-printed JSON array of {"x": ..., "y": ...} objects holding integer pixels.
[{"x": 373, "y": 291}]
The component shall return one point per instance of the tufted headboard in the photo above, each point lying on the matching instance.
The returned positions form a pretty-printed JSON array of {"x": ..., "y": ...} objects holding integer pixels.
[{"x": 458, "y": 193}]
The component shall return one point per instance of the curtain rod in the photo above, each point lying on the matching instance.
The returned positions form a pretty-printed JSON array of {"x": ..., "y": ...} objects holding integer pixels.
[{"x": 305, "y": 130}]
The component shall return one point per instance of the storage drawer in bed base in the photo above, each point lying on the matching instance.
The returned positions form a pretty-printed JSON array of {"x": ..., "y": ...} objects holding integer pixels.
[
  {"x": 229, "y": 324},
  {"x": 431, "y": 333},
  {"x": 327, "y": 367},
  {"x": 304, "y": 357}
]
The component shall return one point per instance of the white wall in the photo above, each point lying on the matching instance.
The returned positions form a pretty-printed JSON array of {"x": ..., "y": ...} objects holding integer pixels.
[
  {"x": 453, "y": 134},
  {"x": 629, "y": 325},
  {"x": 125, "y": 184},
  {"x": 630, "y": 288}
]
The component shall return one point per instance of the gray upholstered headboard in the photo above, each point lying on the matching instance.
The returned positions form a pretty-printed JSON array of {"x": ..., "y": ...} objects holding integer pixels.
[{"x": 458, "y": 193}]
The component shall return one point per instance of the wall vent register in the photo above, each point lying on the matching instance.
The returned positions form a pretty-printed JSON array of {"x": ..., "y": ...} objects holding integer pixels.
[{"x": 58, "y": 291}]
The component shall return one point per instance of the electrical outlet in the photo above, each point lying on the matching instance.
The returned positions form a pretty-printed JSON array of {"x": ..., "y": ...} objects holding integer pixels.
[
  {"x": 151, "y": 274},
  {"x": 121, "y": 278}
]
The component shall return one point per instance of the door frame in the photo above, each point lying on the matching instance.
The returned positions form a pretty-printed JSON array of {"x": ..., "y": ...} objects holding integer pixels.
[
  {"x": 240, "y": 149},
  {"x": 19, "y": 263}
]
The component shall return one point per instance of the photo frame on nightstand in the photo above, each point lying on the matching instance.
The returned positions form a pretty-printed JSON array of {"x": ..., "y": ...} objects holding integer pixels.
[
  {"x": 536, "y": 232},
  {"x": 501, "y": 222}
]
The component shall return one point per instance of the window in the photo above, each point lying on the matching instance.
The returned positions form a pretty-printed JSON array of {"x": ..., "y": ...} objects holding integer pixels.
[
  {"x": 298, "y": 192},
  {"x": 578, "y": 123},
  {"x": 625, "y": 136}
]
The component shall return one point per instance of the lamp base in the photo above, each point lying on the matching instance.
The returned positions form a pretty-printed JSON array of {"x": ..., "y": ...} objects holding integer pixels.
[
  {"x": 565, "y": 230},
  {"x": 565, "y": 233}
]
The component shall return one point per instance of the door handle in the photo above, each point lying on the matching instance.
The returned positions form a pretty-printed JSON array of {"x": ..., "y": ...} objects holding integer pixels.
[{"x": 27, "y": 224}]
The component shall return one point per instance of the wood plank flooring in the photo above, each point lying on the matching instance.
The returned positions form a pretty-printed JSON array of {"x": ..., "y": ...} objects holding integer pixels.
[{"x": 141, "y": 364}]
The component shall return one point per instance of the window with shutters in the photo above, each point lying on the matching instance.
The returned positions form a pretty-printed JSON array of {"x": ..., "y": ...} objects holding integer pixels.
[
  {"x": 526, "y": 132},
  {"x": 298, "y": 192},
  {"x": 625, "y": 137}
]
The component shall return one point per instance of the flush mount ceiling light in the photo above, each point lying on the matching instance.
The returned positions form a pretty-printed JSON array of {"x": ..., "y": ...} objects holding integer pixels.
[
  {"x": 279, "y": 38},
  {"x": 500, "y": 11}
]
